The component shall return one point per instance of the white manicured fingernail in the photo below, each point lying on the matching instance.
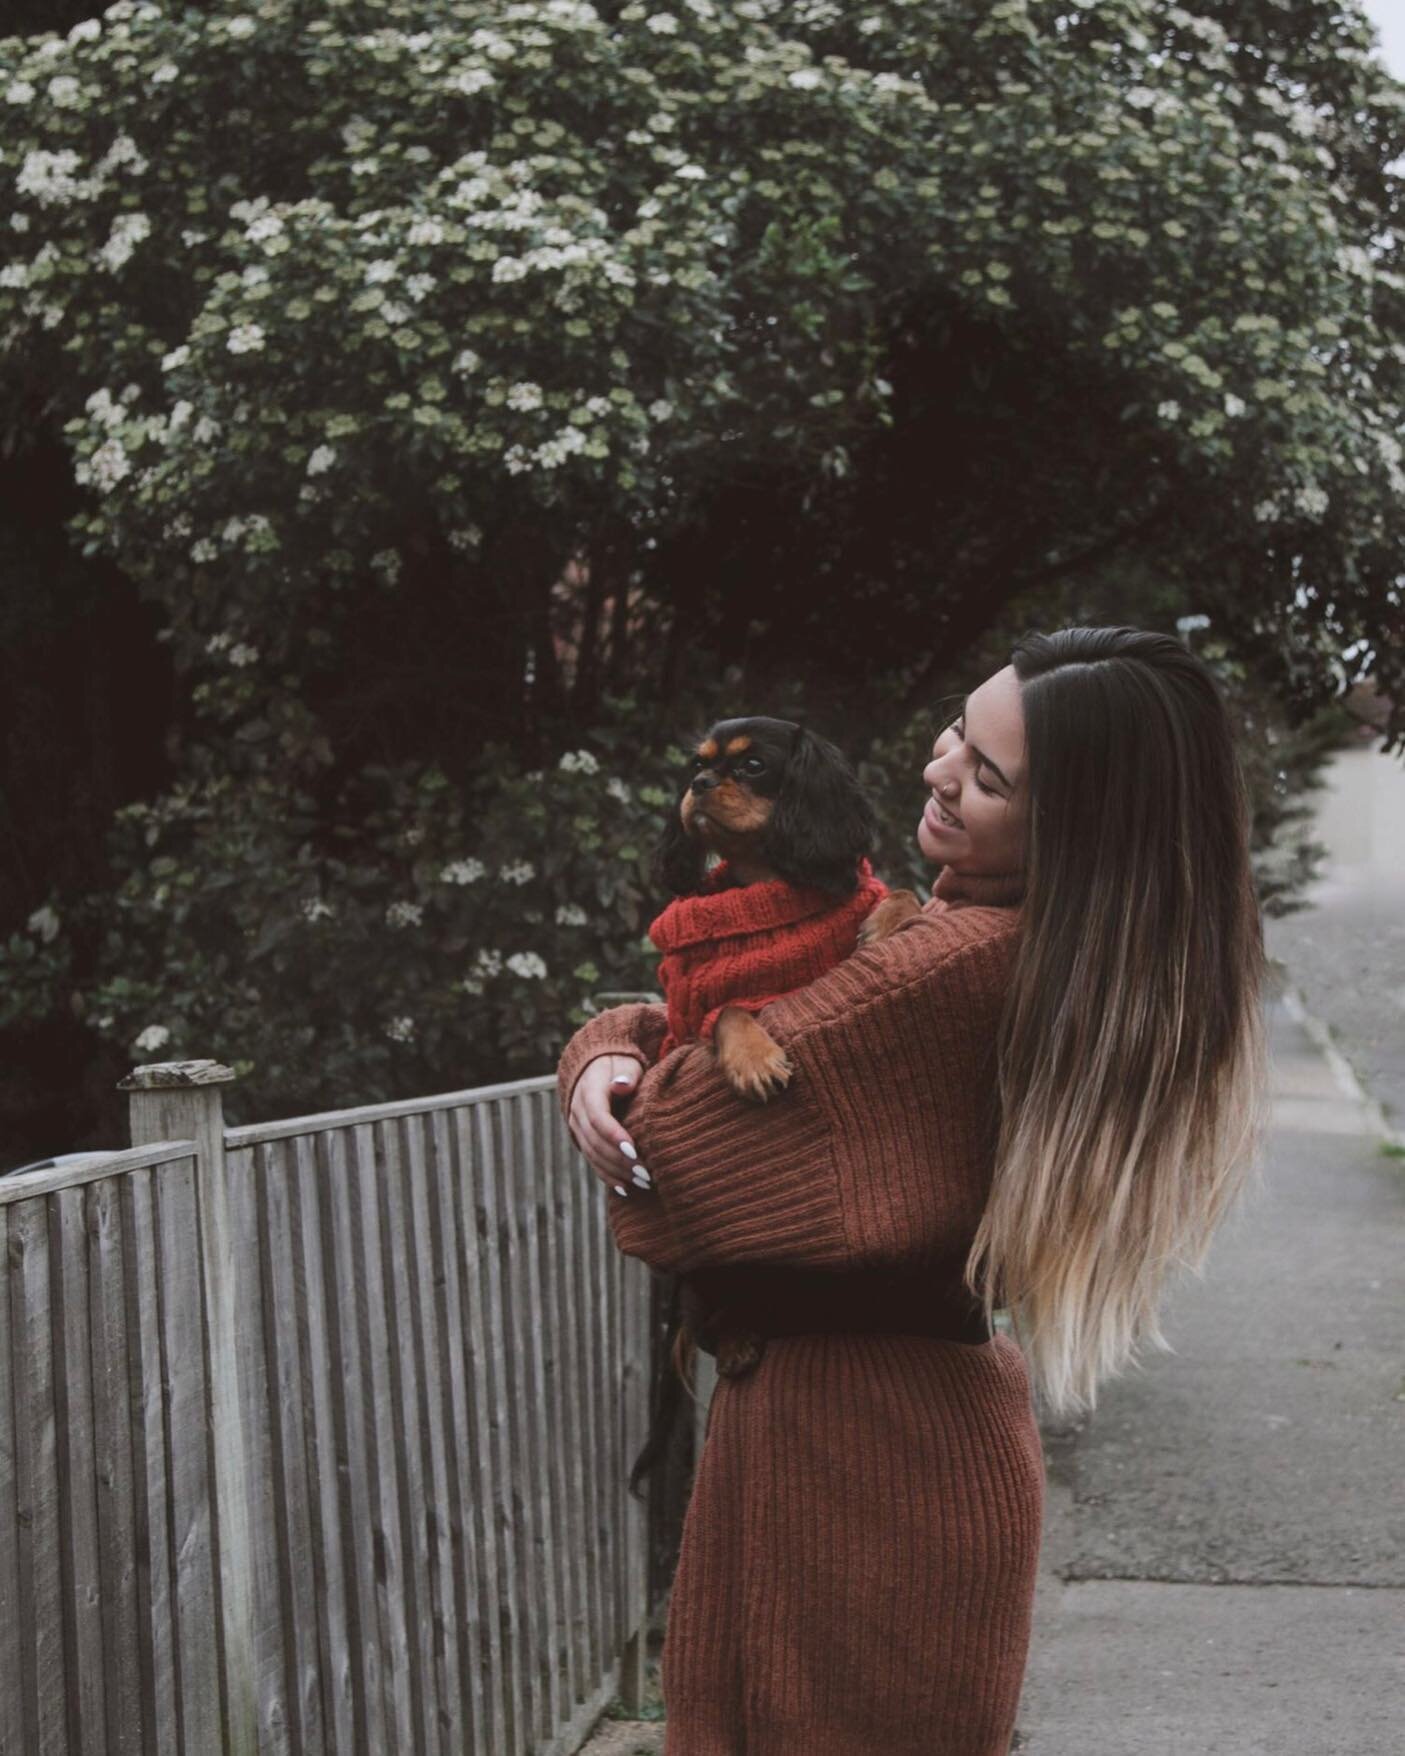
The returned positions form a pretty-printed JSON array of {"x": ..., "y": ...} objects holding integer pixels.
[
  {"x": 628, "y": 1150},
  {"x": 620, "y": 1189},
  {"x": 642, "y": 1177}
]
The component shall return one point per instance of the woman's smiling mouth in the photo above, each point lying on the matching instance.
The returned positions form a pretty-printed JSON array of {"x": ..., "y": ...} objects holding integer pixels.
[{"x": 939, "y": 817}]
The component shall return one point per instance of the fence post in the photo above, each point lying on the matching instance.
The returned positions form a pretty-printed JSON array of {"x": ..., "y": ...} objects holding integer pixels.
[{"x": 182, "y": 1100}]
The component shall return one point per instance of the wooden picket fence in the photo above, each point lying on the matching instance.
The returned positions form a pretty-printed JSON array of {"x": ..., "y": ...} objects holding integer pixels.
[{"x": 317, "y": 1435}]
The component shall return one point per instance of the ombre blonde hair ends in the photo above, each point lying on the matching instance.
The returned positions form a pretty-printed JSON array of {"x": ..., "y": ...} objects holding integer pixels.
[{"x": 1131, "y": 1049}]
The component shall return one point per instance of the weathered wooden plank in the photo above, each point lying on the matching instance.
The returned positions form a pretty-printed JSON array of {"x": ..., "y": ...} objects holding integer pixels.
[
  {"x": 423, "y": 1171},
  {"x": 76, "y": 1486},
  {"x": 493, "y": 1610},
  {"x": 285, "y": 1598},
  {"x": 613, "y": 1463},
  {"x": 528, "y": 1411},
  {"x": 353, "y": 1416},
  {"x": 596, "y": 1384},
  {"x": 244, "y": 1222},
  {"x": 298, "y": 1725},
  {"x": 100, "y": 1168},
  {"x": 155, "y": 1569},
  {"x": 375, "y": 1342},
  {"x": 557, "y": 1559},
  {"x": 112, "y": 1451},
  {"x": 578, "y": 1414},
  {"x": 43, "y": 1676},
  {"x": 188, "y": 1460},
  {"x": 14, "y": 1623},
  {"x": 503, "y": 1391},
  {"x": 398, "y": 1268},
  {"x": 315, "y": 1319},
  {"x": 362, "y": 1115},
  {"x": 447, "y": 1188}
]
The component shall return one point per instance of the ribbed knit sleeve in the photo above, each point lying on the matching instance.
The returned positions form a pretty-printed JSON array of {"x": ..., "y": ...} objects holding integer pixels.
[
  {"x": 636, "y": 1030},
  {"x": 879, "y": 1149}
]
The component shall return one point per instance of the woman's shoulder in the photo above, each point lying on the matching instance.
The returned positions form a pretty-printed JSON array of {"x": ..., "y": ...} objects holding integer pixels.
[{"x": 963, "y": 954}]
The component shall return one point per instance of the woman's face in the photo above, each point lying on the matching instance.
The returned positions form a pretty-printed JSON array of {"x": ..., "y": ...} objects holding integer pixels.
[{"x": 976, "y": 777}]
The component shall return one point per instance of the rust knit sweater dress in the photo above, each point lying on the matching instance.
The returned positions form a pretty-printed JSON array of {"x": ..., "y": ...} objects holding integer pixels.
[{"x": 858, "y": 1561}]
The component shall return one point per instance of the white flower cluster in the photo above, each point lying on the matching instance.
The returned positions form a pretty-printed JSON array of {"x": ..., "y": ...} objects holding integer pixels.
[
  {"x": 44, "y": 922},
  {"x": 525, "y": 396},
  {"x": 105, "y": 468},
  {"x": 570, "y": 914},
  {"x": 155, "y": 1036},
  {"x": 51, "y": 178},
  {"x": 469, "y": 81},
  {"x": 245, "y": 338},
  {"x": 401, "y": 1029},
  {"x": 321, "y": 460},
  {"x": 128, "y": 230},
  {"x": 241, "y": 655},
  {"x": 1311, "y": 500},
  {"x": 485, "y": 966},
  {"x": 404, "y": 914},
  {"x": 526, "y": 964},
  {"x": 465, "y": 539},
  {"x": 518, "y": 872},
  {"x": 579, "y": 762},
  {"x": 618, "y": 789},
  {"x": 315, "y": 909},
  {"x": 463, "y": 872},
  {"x": 386, "y": 564},
  {"x": 1170, "y": 410}
]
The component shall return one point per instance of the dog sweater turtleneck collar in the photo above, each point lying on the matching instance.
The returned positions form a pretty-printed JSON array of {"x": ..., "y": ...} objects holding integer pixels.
[{"x": 746, "y": 945}]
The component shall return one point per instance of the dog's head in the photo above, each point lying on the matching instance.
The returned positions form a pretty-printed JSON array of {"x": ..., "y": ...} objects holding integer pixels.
[{"x": 776, "y": 792}]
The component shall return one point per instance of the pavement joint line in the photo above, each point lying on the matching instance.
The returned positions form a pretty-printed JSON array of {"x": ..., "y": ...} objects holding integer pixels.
[
  {"x": 1342, "y": 1071},
  {"x": 1231, "y": 1584}
]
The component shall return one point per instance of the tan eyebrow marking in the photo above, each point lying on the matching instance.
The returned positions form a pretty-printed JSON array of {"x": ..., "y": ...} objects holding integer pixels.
[
  {"x": 736, "y": 745},
  {"x": 708, "y": 749}
]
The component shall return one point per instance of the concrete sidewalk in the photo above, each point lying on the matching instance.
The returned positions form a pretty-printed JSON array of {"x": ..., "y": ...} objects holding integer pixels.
[
  {"x": 1224, "y": 1546},
  {"x": 1345, "y": 951}
]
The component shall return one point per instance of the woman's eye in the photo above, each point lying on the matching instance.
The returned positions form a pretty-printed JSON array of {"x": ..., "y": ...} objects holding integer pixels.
[{"x": 985, "y": 789}]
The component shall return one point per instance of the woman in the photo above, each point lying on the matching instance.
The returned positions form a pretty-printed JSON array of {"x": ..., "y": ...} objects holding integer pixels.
[{"x": 1041, "y": 1092}]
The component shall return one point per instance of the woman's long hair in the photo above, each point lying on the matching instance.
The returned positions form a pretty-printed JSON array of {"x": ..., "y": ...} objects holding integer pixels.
[{"x": 1131, "y": 1055}]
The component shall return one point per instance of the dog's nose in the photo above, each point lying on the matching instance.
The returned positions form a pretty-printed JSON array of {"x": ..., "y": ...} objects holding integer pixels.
[{"x": 704, "y": 783}]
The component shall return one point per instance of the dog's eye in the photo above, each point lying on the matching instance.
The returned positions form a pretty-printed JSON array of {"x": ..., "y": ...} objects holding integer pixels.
[{"x": 752, "y": 765}]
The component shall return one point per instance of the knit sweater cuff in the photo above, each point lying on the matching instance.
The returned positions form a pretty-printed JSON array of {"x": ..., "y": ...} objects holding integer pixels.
[{"x": 637, "y": 1030}]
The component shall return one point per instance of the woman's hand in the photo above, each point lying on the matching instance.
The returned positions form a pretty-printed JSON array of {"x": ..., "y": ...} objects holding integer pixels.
[{"x": 597, "y": 1131}]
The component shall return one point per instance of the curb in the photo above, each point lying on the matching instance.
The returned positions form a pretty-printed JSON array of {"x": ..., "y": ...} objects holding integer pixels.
[{"x": 1342, "y": 1071}]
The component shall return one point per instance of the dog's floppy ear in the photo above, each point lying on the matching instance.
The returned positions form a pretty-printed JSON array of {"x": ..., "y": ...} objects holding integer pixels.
[
  {"x": 679, "y": 859},
  {"x": 822, "y": 824}
]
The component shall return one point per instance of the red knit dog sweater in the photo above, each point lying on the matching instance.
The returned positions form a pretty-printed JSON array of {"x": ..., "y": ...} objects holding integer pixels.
[{"x": 749, "y": 944}]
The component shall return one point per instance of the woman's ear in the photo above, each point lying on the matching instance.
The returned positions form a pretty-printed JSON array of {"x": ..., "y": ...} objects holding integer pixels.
[
  {"x": 822, "y": 824},
  {"x": 679, "y": 859}
]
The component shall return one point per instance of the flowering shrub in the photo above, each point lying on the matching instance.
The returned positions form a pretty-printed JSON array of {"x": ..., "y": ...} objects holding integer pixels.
[
  {"x": 401, "y": 964},
  {"x": 347, "y": 305}
]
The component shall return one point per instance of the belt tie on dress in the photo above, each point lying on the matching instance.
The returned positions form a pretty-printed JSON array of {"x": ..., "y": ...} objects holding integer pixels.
[{"x": 731, "y": 1312}]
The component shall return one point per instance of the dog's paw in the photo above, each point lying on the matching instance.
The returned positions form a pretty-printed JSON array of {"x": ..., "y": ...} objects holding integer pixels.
[
  {"x": 898, "y": 906},
  {"x": 753, "y": 1063}
]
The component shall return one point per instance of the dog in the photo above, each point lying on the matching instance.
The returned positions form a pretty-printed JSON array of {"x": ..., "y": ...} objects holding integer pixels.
[{"x": 792, "y": 894}]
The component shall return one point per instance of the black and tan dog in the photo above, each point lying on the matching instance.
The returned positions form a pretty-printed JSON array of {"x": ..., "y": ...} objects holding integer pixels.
[{"x": 774, "y": 801}]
